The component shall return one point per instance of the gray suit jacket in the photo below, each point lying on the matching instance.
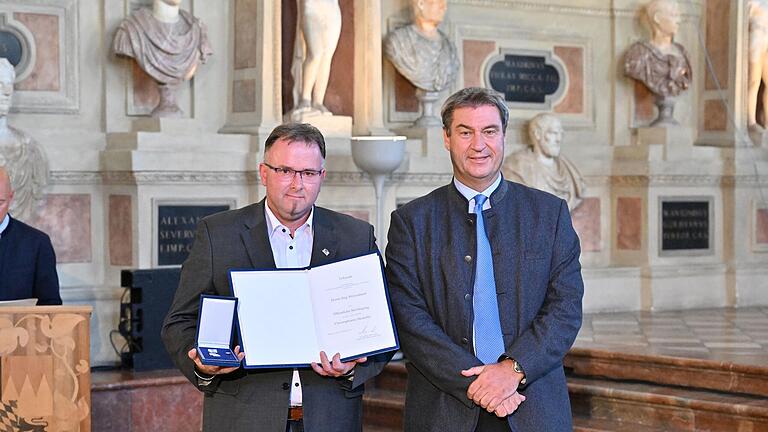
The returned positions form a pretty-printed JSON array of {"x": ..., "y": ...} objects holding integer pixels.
[
  {"x": 539, "y": 289},
  {"x": 258, "y": 400}
]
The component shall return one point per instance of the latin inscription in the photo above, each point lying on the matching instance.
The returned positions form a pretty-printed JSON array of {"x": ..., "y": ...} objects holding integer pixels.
[
  {"x": 176, "y": 230},
  {"x": 524, "y": 78},
  {"x": 685, "y": 225}
]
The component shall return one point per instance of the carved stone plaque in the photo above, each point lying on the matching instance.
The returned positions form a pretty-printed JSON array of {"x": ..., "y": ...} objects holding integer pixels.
[
  {"x": 176, "y": 230},
  {"x": 10, "y": 47},
  {"x": 526, "y": 79},
  {"x": 686, "y": 226}
]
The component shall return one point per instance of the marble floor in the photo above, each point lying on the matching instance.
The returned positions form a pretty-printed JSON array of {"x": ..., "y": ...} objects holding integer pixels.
[{"x": 738, "y": 336}]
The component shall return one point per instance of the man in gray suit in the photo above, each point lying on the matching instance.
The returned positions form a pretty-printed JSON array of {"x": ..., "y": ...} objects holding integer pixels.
[
  {"x": 285, "y": 229},
  {"x": 486, "y": 288}
]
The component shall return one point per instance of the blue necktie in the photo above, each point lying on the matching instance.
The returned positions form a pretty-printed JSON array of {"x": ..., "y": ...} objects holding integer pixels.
[{"x": 489, "y": 342}]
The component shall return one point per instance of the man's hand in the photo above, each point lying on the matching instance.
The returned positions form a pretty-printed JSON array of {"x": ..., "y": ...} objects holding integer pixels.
[
  {"x": 214, "y": 370},
  {"x": 509, "y": 405},
  {"x": 335, "y": 367},
  {"x": 495, "y": 383}
]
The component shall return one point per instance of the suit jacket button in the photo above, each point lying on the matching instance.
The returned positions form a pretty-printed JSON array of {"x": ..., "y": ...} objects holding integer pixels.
[
  {"x": 464, "y": 341},
  {"x": 286, "y": 386},
  {"x": 467, "y": 297},
  {"x": 468, "y": 258}
]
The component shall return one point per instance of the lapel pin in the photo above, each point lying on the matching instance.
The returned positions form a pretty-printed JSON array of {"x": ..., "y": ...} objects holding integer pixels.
[{"x": 325, "y": 251}]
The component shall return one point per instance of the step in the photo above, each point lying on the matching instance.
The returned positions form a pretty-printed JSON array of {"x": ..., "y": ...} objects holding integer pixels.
[
  {"x": 383, "y": 408},
  {"x": 666, "y": 407},
  {"x": 393, "y": 377},
  {"x": 581, "y": 424},
  {"x": 688, "y": 372}
]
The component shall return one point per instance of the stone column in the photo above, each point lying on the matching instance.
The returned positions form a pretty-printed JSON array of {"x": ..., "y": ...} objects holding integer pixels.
[
  {"x": 729, "y": 61},
  {"x": 368, "y": 112},
  {"x": 255, "y": 75}
]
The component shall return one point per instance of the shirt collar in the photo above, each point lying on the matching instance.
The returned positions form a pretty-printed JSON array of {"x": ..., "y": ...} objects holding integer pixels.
[
  {"x": 5, "y": 223},
  {"x": 273, "y": 223},
  {"x": 470, "y": 193}
]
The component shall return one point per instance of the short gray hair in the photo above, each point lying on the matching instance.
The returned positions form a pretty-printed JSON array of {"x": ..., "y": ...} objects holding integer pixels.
[{"x": 473, "y": 97}]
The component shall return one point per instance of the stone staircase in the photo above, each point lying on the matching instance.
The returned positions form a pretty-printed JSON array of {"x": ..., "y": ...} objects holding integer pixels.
[
  {"x": 615, "y": 391},
  {"x": 384, "y": 400},
  {"x": 612, "y": 391}
]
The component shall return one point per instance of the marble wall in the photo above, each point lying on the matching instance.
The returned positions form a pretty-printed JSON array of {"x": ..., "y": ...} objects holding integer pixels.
[{"x": 111, "y": 166}]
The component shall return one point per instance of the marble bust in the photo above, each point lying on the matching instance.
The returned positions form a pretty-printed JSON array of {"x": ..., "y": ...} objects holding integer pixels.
[
  {"x": 168, "y": 44},
  {"x": 21, "y": 155},
  {"x": 420, "y": 51},
  {"x": 660, "y": 63},
  {"x": 757, "y": 11},
  {"x": 318, "y": 27},
  {"x": 542, "y": 167}
]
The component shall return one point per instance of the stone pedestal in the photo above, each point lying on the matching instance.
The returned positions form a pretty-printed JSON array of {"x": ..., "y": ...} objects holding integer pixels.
[
  {"x": 431, "y": 137},
  {"x": 332, "y": 126},
  {"x": 661, "y": 143},
  {"x": 169, "y": 162},
  {"x": 175, "y": 144},
  {"x": 662, "y": 166},
  {"x": 427, "y": 100},
  {"x": 758, "y": 136},
  {"x": 611, "y": 288},
  {"x": 336, "y": 129}
]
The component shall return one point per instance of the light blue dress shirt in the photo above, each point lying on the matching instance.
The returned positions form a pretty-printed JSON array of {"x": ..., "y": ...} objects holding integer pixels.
[{"x": 4, "y": 224}]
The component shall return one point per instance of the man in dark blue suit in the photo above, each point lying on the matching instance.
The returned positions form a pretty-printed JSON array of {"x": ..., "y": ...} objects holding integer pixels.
[
  {"x": 27, "y": 260},
  {"x": 486, "y": 288}
]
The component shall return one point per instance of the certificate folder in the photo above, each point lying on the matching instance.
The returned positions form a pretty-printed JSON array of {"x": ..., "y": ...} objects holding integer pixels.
[
  {"x": 214, "y": 331},
  {"x": 288, "y": 316}
]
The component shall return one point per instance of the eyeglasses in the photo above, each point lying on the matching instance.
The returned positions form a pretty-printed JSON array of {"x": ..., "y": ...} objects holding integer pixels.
[{"x": 287, "y": 174}]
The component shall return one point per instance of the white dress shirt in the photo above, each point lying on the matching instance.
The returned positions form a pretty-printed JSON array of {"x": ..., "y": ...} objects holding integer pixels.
[{"x": 290, "y": 252}]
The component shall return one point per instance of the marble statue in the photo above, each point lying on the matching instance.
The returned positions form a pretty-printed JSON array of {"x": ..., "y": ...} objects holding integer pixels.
[
  {"x": 22, "y": 156},
  {"x": 420, "y": 51},
  {"x": 168, "y": 44},
  {"x": 424, "y": 55},
  {"x": 758, "y": 60},
  {"x": 542, "y": 167},
  {"x": 318, "y": 27},
  {"x": 660, "y": 63}
]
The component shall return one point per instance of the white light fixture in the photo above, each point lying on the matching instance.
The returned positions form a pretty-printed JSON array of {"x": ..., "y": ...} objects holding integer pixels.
[{"x": 379, "y": 156}]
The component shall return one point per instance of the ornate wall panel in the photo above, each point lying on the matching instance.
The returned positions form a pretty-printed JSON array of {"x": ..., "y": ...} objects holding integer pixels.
[
  {"x": 47, "y": 75},
  {"x": 67, "y": 219},
  {"x": 586, "y": 222},
  {"x": 629, "y": 221},
  {"x": 569, "y": 53},
  {"x": 120, "y": 230}
]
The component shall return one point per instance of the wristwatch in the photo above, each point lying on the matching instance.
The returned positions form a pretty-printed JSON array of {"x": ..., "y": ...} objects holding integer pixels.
[{"x": 519, "y": 369}]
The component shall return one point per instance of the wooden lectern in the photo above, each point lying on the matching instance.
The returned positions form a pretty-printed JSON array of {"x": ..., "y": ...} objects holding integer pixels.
[{"x": 45, "y": 370}]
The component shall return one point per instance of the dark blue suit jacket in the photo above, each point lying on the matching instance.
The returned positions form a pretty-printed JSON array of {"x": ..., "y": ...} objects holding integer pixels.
[
  {"x": 27, "y": 265},
  {"x": 430, "y": 269}
]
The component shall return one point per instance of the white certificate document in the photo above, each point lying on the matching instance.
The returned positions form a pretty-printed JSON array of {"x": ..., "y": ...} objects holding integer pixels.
[{"x": 286, "y": 317}]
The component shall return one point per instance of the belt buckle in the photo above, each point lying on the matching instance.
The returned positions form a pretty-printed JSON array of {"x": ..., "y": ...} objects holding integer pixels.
[{"x": 295, "y": 413}]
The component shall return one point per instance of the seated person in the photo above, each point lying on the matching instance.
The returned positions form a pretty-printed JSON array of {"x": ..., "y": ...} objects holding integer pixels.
[{"x": 27, "y": 260}]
